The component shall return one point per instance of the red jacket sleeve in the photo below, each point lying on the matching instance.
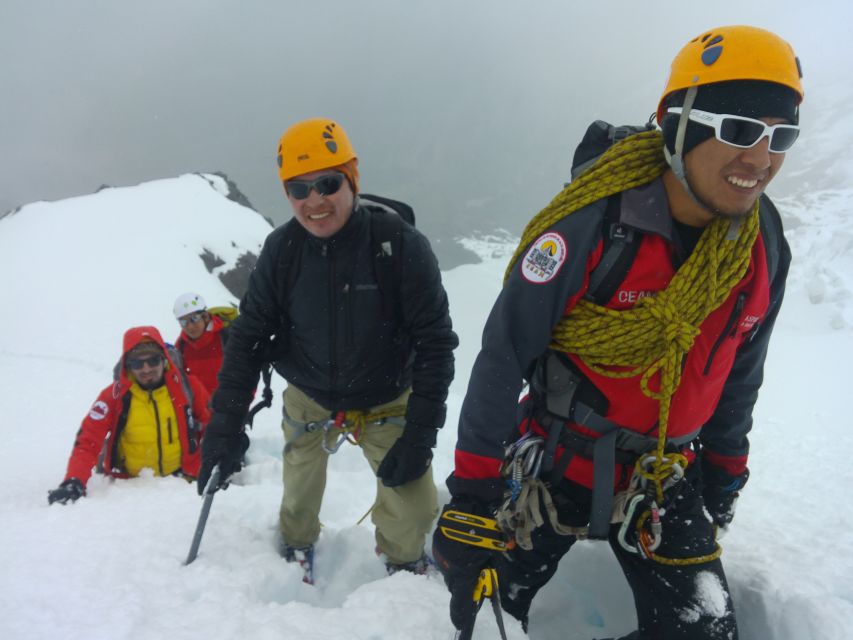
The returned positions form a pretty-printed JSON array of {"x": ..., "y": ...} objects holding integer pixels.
[
  {"x": 201, "y": 401},
  {"x": 96, "y": 426}
]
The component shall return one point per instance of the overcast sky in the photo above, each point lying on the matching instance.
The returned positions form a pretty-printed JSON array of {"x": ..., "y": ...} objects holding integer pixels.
[{"x": 470, "y": 110}]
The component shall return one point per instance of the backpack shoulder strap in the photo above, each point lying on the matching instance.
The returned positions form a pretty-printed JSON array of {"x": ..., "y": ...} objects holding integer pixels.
[
  {"x": 386, "y": 241},
  {"x": 401, "y": 208},
  {"x": 770, "y": 223},
  {"x": 177, "y": 359},
  {"x": 621, "y": 244},
  {"x": 289, "y": 259}
]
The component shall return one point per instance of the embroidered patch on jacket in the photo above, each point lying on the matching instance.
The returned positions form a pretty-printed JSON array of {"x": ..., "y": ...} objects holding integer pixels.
[
  {"x": 99, "y": 410},
  {"x": 543, "y": 260}
]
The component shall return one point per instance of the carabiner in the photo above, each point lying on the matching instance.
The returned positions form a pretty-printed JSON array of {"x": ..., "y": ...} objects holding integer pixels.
[
  {"x": 629, "y": 522},
  {"x": 334, "y": 423}
]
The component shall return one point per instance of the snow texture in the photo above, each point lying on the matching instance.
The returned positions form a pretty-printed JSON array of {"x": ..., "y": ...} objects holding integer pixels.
[{"x": 76, "y": 273}]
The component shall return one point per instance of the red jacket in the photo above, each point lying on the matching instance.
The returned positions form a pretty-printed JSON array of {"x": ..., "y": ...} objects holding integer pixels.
[
  {"x": 203, "y": 357},
  {"x": 722, "y": 371},
  {"x": 101, "y": 428}
]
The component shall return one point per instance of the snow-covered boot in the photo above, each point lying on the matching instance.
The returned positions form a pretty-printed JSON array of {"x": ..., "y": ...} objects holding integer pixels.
[
  {"x": 418, "y": 567},
  {"x": 304, "y": 556}
]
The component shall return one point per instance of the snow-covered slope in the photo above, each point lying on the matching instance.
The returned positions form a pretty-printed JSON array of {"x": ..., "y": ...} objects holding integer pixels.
[{"x": 76, "y": 273}]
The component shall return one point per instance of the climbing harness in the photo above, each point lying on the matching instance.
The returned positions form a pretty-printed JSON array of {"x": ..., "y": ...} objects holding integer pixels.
[{"x": 345, "y": 426}]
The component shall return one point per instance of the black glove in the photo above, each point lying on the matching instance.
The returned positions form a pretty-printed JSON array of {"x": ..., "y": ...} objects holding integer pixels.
[
  {"x": 461, "y": 564},
  {"x": 720, "y": 492},
  {"x": 409, "y": 457},
  {"x": 223, "y": 444},
  {"x": 71, "y": 489}
]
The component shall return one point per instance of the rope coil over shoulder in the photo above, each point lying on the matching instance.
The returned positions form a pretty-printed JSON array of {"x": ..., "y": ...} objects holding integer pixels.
[{"x": 651, "y": 339}]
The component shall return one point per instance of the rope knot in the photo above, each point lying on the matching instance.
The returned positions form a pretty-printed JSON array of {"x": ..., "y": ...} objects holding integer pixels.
[
  {"x": 676, "y": 331},
  {"x": 680, "y": 333}
]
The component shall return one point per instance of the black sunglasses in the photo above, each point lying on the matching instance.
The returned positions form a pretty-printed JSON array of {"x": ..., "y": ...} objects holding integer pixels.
[
  {"x": 324, "y": 185},
  {"x": 137, "y": 363},
  {"x": 191, "y": 319}
]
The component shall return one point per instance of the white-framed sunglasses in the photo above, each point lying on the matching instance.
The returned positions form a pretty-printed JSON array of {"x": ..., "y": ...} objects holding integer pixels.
[{"x": 744, "y": 133}]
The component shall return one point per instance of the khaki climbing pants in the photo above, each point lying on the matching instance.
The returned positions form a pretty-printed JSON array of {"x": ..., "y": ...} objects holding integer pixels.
[{"x": 402, "y": 515}]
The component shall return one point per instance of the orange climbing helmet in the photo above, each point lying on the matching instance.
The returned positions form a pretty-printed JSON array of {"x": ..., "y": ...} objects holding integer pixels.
[
  {"x": 312, "y": 145},
  {"x": 733, "y": 53}
]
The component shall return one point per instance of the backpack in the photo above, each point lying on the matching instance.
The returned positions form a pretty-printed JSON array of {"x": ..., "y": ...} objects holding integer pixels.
[
  {"x": 227, "y": 314},
  {"x": 621, "y": 242}
]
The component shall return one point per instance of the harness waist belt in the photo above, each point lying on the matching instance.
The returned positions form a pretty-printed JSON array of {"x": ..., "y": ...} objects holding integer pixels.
[
  {"x": 614, "y": 444},
  {"x": 309, "y": 427}
]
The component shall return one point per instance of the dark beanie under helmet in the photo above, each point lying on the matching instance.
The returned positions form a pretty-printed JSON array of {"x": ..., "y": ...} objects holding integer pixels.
[{"x": 747, "y": 98}]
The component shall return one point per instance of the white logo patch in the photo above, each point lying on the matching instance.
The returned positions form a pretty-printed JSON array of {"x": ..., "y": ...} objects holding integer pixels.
[
  {"x": 543, "y": 260},
  {"x": 99, "y": 410}
]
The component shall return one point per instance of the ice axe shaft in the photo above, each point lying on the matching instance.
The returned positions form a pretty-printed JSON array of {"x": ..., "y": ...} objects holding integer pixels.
[
  {"x": 209, "y": 491},
  {"x": 486, "y": 587}
]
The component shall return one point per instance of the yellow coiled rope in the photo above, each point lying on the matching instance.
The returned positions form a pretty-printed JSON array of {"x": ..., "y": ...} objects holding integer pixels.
[{"x": 654, "y": 336}]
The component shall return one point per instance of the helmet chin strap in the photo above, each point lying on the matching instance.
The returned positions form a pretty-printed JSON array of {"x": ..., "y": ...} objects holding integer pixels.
[{"x": 676, "y": 160}]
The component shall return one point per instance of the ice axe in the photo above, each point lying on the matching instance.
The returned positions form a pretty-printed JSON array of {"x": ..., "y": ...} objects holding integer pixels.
[
  {"x": 209, "y": 490},
  {"x": 486, "y": 587},
  {"x": 485, "y": 533}
]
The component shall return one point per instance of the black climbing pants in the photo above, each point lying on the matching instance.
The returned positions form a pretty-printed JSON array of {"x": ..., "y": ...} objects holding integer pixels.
[{"x": 674, "y": 602}]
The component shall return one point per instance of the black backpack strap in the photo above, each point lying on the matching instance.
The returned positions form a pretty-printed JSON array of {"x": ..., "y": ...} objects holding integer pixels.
[
  {"x": 401, "y": 208},
  {"x": 386, "y": 239},
  {"x": 770, "y": 223},
  {"x": 289, "y": 259},
  {"x": 621, "y": 244}
]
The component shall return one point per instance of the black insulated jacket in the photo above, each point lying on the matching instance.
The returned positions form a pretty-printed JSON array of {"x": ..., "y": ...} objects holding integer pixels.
[{"x": 333, "y": 337}]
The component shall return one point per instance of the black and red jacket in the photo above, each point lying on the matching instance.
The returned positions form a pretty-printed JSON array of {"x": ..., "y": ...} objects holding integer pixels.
[
  {"x": 203, "y": 357},
  {"x": 721, "y": 373},
  {"x": 102, "y": 426}
]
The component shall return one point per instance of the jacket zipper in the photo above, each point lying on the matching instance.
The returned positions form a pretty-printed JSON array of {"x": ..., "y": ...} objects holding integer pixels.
[
  {"x": 159, "y": 435},
  {"x": 730, "y": 330},
  {"x": 348, "y": 315},
  {"x": 169, "y": 429}
]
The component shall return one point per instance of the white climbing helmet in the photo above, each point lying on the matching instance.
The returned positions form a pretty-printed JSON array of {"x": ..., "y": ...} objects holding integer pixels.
[{"x": 188, "y": 303}]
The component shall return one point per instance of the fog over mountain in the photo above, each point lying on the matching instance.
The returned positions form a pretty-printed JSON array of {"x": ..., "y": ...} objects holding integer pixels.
[{"x": 468, "y": 110}]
